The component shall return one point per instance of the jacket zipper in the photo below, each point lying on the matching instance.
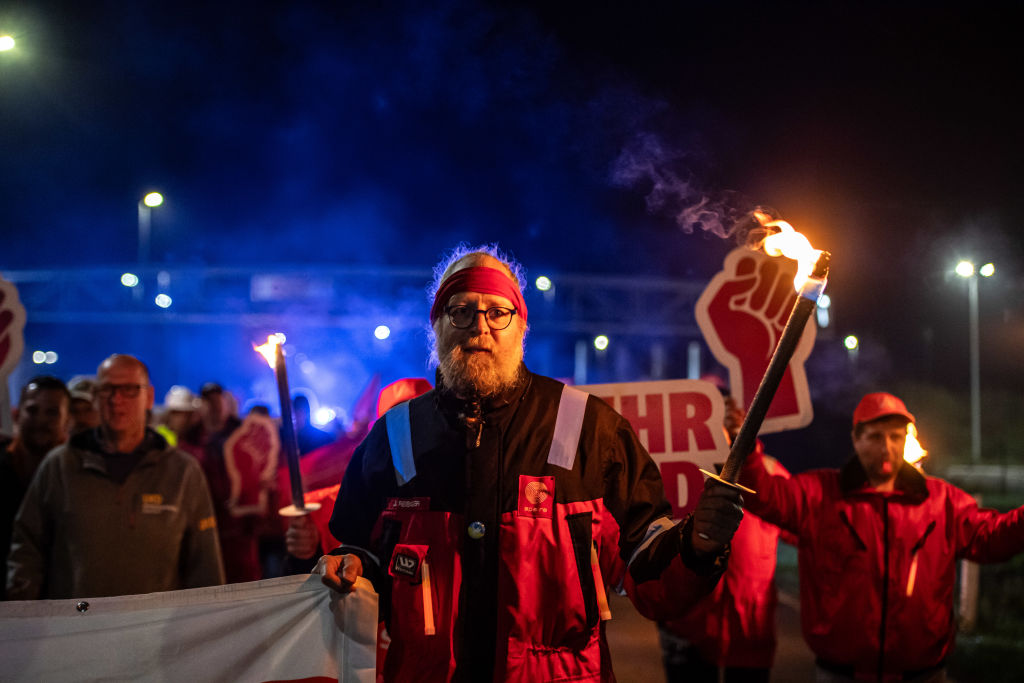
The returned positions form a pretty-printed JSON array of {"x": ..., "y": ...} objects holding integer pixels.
[
  {"x": 602, "y": 597},
  {"x": 885, "y": 587},
  {"x": 428, "y": 600},
  {"x": 853, "y": 531},
  {"x": 912, "y": 574}
]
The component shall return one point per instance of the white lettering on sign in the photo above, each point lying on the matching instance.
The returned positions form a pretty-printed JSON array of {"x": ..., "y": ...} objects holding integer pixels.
[{"x": 680, "y": 424}]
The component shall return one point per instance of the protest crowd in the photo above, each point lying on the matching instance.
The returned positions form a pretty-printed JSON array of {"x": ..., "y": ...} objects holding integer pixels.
[{"x": 493, "y": 510}]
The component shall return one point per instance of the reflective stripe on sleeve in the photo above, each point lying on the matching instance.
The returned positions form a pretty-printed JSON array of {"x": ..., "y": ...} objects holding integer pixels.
[
  {"x": 400, "y": 439},
  {"x": 657, "y": 527}
]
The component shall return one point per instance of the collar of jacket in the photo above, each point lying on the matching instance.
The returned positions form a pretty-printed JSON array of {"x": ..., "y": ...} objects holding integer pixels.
[
  {"x": 909, "y": 481},
  {"x": 92, "y": 441}
]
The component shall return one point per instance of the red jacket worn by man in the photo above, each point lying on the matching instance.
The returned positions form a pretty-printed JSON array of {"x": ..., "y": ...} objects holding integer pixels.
[
  {"x": 878, "y": 545},
  {"x": 491, "y": 511}
]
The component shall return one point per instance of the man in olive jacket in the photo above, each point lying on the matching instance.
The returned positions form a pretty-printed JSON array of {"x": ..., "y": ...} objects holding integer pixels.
[{"x": 115, "y": 511}]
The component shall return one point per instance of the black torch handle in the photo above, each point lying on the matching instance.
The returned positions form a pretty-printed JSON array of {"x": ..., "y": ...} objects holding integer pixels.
[
  {"x": 743, "y": 444},
  {"x": 291, "y": 443}
]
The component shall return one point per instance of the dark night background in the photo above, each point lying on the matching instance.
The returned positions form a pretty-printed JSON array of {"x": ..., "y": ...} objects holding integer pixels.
[{"x": 580, "y": 136}]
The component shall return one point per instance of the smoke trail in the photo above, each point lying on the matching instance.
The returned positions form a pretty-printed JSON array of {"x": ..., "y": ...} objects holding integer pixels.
[{"x": 673, "y": 190}]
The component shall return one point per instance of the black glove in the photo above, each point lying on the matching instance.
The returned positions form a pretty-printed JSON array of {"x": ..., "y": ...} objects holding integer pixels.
[{"x": 716, "y": 517}]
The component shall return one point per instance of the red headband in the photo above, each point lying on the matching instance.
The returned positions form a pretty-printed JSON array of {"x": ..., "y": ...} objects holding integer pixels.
[{"x": 479, "y": 279}]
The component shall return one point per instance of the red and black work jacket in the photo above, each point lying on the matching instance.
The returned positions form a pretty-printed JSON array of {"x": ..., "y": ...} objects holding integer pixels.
[
  {"x": 490, "y": 532},
  {"x": 877, "y": 569}
]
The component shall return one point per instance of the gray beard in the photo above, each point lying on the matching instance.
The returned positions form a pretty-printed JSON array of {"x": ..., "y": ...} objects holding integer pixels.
[{"x": 480, "y": 376}]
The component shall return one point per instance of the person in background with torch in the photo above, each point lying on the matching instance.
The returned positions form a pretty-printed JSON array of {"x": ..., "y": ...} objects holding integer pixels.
[
  {"x": 733, "y": 629},
  {"x": 878, "y": 545},
  {"x": 491, "y": 512}
]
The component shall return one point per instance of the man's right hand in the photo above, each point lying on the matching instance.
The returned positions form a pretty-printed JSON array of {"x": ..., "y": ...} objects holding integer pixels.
[
  {"x": 717, "y": 516},
  {"x": 339, "y": 571},
  {"x": 302, "y": 539}
]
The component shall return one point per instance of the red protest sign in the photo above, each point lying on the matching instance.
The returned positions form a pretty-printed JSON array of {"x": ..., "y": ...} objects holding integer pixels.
[
  {"x": 742, "y": 313},
  {"x": 250, "y": 458},
  {"x": 12, "y": 323},
  {"x": 680, "y": 424}
]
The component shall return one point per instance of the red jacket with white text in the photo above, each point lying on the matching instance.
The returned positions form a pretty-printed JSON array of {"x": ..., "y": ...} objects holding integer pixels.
[
  {"x": 491, "y": 530},
  {"x": 877, "y": 569}
]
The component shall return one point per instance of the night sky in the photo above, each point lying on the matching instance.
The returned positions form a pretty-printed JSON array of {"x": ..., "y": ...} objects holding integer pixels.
[{"x": 581, "y": 136}]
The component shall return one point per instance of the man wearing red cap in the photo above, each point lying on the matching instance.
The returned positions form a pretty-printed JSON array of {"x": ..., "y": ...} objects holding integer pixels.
[
  {"x": 878, "y": 545},
  {"x": 492, "y": 511}
]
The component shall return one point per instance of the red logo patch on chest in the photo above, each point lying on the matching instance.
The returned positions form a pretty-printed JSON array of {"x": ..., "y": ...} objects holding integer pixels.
[{"x": 536, "y": 496}]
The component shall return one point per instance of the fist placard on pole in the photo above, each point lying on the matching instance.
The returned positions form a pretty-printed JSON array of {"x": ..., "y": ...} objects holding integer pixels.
[
  {"x": 12, "y": 343},
  {"x": 742, "y": 314}
]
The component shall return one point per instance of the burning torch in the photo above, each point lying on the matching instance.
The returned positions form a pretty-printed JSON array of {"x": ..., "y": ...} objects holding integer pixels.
[
  {"x": 273, "y": 352},
  {"x": 812, "y": 274}
]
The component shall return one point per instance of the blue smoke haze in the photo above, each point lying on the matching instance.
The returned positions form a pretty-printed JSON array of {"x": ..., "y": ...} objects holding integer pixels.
[{"x": 582, "y": 138}]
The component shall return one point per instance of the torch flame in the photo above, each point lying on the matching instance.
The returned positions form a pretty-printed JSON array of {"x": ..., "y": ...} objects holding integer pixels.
[
  {"x": 912, "y": 450},
  {"x": 791, "y": 244},
  {"x": 269, "y": 350}
]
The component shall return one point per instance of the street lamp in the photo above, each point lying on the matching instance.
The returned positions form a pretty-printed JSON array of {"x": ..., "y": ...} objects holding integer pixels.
[
  {"x": 7, "y": 43},
  {"x": 966, "y": 270},
  {"x": 146, "y": 206}
]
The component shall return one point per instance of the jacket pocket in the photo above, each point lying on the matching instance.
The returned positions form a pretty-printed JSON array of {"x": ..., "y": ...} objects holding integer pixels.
[
  {"x": 410, "y": 569},
  {"x": 581, "y": 535}
]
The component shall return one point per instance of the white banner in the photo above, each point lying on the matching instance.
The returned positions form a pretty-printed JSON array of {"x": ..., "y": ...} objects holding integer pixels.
[{"x": 287, "y": 629}]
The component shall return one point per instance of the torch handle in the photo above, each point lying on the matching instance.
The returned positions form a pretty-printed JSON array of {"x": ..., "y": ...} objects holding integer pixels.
[
  {"x": 743, "y": 444},
  {"x": 806, "y": 302},
  {"x": 290, "y": 443}
]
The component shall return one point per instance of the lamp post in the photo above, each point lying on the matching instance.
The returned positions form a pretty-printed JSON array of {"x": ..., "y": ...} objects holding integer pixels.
[
  {"x": 146, "y": 206},
  {"x": 965, "y": 269}
]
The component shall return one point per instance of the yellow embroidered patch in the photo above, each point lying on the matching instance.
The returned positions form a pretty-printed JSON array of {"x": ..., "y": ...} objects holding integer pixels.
[
  {"x": 152, "y": 499},
  {"x": 207, "y": 523}
]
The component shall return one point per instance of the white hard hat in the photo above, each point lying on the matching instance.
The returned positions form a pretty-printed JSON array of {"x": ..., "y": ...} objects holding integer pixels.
[{"x": 179, "y": 398}]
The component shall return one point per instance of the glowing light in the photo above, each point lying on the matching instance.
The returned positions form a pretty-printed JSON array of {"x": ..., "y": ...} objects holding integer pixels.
[
  {"x": 543, "y": 283},
  {"x": 324, "y": 416},
  {"x": 163, "y": 301},
  {"x": 269, "y": 350},
  {"x": 912, "y": 450},
  {"x": 153, "y": 199},
  {"x": 129, "y": 279},
  {"x": 825, "y": 301},
  {"x": 987, "y": 270},
  {"x": 6, "y": 43},
  {"x": 791, "y": 244},
  {"x": 38, "y": 357},
  {"x": 308, "y": 367},
  {"x": 163, "y": 278},
  {"x": 600, "y": 342},
  {"x": 382, "y": 332},
  {"x": 50, "y": 357},
  {"x": 851, "y": 342},
  {"x": 965, "y": 269}
]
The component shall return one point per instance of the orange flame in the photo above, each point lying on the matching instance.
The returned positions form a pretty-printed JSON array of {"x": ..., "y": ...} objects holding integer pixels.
[
  {"x": 269, "y": 350},
  {"x": 912, "y": 450},
  {"x": 791, "y": 244}
]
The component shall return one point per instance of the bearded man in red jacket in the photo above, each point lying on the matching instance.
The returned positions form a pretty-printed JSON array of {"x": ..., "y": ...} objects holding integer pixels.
[
  {"x": 491, "y": 512},
  {"x": 878, "y": 546}
]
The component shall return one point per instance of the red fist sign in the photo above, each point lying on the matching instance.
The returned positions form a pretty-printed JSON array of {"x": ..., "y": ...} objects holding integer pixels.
[
  {"x": 742, "y": 313},
  {"x": 12, "y": 322}
]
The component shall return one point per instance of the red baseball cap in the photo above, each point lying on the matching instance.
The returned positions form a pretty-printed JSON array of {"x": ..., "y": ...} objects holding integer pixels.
[
  {"x": 401, "y": 390},
  {"x": 879, "y": 405}
]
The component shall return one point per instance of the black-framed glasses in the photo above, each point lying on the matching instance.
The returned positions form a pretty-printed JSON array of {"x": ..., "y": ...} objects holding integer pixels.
[
  {"x": 105, "y": 391},
  {"x": 463, "y": 317}
]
